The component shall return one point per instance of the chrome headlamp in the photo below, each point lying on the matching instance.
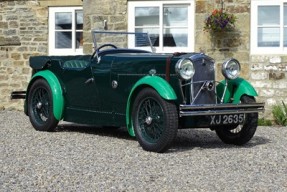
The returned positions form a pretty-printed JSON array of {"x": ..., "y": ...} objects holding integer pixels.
[
  {"x": 184, "y": 69},
  {"x": 231, "y": 69}
]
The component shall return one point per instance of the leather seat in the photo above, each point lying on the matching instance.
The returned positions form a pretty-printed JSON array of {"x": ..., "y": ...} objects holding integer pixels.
[{"x": 75, "y": 64}]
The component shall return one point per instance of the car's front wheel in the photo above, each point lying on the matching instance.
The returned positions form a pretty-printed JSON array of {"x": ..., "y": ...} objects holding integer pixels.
[
  {"x": 242, "y": 133},
  {"x": 155, "y": 121},
  {"x": 40, "y": 106}
]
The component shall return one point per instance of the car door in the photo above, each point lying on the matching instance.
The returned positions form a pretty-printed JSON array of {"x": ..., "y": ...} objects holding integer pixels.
[
  {"x": 81, "y": 94},
  {"x": 102, "y": 81},
  {"x": 82, "y": 103}
]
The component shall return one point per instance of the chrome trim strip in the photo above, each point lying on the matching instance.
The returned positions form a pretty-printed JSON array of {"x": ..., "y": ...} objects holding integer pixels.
[
  {"x": 223, "y": 112},
  {"x": 199, "y": 91},
  {"x": 191, "y": 99},
  {"x": 224, "y": 91},
  {"x": 220, "y": 106},
  {"x": 222, "y": 109},
  {"x": 157, "y": 74}
]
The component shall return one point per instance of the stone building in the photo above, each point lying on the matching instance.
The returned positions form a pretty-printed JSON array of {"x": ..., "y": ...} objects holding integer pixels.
[
  {"x": 258, "y": 41},
  {"x": 24, "y": 32}
]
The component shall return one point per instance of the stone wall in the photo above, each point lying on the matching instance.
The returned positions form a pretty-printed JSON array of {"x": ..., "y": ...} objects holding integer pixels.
[
  {"x": 269, "y": 76},
  {"x": 111, "y": 12},
  {"x": 230, "y": 44},
  {"x": 23, "y": 32}
]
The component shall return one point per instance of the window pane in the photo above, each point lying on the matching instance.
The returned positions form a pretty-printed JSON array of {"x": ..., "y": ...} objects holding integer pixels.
[
  {"x": 175, "y": 15},
  {"x": 141, "y": 40},
  {"x": 63, "y": 40},
  {"x": 146, "y": 16},
  {"x": 79, "y": 19},
  {"x": 268, "y": 15},
  {"x": 285, "y": 37},
  {"x": 63, "y": 21},
  {"x": 154, "y": 36},
  {"x": 285, "y": 26},
  {"x": 79, "y": 40},
  {"x": 175, "y": 37},
  {"x": 269, "y": 37}
]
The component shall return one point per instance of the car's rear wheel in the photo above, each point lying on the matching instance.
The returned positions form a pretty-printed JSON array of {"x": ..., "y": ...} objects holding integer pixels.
[
  {"x": 155, "y": 121},
  {"x": 242, "y": 133},
  {"x": 40, "y": 106}
]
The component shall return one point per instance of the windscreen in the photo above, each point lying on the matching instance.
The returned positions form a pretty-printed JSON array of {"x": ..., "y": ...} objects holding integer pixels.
[{"x": 132, "y": 40}]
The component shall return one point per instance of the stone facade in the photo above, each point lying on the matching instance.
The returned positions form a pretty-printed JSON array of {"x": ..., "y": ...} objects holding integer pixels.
[
  {"x": 268, "y": 74},
  {"x": 114, "y": 12},
  {"x": 24, "y": 32}
]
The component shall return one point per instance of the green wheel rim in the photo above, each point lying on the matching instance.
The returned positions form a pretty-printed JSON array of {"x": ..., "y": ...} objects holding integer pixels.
[
  {"x": 150, "y": 120},
  {"x": 41, "y": 105}
]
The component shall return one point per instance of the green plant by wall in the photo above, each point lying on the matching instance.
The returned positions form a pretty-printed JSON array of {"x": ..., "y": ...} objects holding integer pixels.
[
  {"x": 280, "y": 114},
  {"x": 264, "y": 122}
]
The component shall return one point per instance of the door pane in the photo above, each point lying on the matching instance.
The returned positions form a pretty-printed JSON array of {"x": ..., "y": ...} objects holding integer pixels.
[
  {"x": 63, "y": 40},
  {"x": 63, "y": 20},
  {"x": 268, "y": 15}
]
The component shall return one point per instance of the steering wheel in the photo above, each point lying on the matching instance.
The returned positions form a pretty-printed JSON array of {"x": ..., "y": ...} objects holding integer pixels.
[
  {"x": 102, "y": 46},
  {"x": 106, "y": 45}
]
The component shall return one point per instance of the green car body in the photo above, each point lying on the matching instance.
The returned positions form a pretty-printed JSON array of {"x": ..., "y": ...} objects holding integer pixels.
[
  {"x": 81, "y": 102},
  {"x": 106, "y": 88}
]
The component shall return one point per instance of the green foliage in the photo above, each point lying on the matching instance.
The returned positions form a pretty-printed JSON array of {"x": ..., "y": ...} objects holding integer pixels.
[
  {"x": 280, "y": 114},
  {"x": 264, "y": 122}
]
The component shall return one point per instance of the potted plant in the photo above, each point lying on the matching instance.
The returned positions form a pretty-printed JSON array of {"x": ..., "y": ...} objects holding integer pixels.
[{"x": 219, "y": 21}]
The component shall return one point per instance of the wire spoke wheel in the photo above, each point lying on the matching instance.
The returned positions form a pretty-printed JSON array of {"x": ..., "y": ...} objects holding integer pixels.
[
  {"x": 151, "y": 122},
  {"x": 40, "y": 106},
  {"x": 155, "y": 121},
  {"x": 242, "y": 133}
]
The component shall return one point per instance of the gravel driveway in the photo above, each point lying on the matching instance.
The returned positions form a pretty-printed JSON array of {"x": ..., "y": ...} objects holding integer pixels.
[{"x": 79, "y": 158}]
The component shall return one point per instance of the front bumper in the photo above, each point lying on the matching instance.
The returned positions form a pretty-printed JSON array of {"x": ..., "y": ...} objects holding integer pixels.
[{"x": 219, "y": 109}]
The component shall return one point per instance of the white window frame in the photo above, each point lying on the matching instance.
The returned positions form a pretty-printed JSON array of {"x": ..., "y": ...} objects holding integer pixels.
[
  {"x": 191, "y": 24},
  {"x": 52, "y": 49},
  {"x": 254, "y": 49}
]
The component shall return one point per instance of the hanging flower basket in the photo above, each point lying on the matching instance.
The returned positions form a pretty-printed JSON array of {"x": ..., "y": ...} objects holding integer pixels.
[{"x": 219, "y": 21}]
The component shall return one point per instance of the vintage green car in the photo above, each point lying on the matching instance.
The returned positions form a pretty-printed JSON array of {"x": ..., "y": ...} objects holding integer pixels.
[{"x": 151, "y": 94}]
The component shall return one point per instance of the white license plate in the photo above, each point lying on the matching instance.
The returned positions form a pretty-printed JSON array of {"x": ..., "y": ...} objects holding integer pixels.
[{"x": 226, "y": 119}]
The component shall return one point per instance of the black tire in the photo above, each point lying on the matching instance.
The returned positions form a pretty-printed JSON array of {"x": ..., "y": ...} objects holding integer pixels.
[
  {"x": 155, "y": 121},
  {"x": 40, "y": 106},
  {"x": 242, "y": 133}
]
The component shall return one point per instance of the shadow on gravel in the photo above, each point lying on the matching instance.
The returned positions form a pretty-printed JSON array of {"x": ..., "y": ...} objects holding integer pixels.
[
  {"x": 187, "y": 139},
  {"x": 206, "y": 139},
  {"x": 116, "y": 132}
]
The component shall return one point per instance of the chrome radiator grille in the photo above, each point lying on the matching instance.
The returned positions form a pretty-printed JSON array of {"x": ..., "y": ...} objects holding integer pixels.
[{"x": 201, "y": 88}]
